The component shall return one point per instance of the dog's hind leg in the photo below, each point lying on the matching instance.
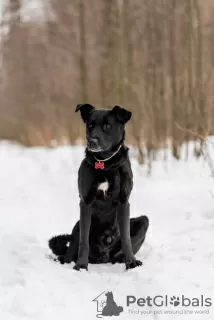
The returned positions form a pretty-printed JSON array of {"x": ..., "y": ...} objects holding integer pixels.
[
  {"x": 138, "y": 229},
  {"x": 118, "y": 258}
]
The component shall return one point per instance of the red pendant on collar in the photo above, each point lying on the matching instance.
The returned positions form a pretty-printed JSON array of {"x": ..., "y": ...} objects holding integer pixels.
[{"x": 99, "y": 165}]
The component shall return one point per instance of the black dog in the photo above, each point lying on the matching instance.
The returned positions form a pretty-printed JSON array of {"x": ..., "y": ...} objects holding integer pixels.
[{"x": 105, "y": 232}]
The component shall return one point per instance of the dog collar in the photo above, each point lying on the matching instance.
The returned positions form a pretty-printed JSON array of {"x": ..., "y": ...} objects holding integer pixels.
[{"x": 99, "y": 164}]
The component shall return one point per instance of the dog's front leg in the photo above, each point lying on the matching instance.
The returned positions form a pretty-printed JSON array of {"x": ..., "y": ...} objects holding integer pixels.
[
  {"x": 85, "y": 223},
  {"x": 123, "y": 218}
]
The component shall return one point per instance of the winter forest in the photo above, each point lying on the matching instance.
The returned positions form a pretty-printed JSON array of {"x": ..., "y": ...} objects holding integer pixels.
[{"x": 154, "y": 57}]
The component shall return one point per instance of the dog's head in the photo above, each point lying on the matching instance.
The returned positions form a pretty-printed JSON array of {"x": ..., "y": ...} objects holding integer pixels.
[{"x": 104, "y": 127}]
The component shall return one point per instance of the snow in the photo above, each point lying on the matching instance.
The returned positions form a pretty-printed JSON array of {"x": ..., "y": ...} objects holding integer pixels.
[{"x": 39, "y": 199}]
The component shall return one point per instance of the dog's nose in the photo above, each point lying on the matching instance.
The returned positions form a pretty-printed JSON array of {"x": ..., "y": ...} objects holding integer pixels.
[{"x": 93, "y": 142}]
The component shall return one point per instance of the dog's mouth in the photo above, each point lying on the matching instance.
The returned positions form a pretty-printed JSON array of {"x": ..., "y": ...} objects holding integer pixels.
[{"x": 94, "y": 147}]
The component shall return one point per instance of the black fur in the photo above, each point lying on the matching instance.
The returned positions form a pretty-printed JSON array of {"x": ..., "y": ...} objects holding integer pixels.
[
  {"x": 100, "y": 250},
  {"x": 105, "y": 232},
  {"x": 59, "y": 244}
]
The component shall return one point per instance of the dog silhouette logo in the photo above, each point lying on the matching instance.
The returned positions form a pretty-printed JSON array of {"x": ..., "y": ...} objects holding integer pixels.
[{"x": 106, "y": 306}]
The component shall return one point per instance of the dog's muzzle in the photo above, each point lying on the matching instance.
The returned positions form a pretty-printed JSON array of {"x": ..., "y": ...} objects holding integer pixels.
[{"x": 93, "y": 145}]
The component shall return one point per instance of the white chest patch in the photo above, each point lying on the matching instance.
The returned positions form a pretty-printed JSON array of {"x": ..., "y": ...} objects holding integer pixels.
[{"x": 104, "y": 187}]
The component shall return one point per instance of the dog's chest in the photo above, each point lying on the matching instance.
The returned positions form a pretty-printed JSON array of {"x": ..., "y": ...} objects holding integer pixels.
[{"x": 104, "y": 186}]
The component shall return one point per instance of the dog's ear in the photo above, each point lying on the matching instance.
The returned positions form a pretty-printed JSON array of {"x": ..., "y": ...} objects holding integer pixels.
[
  {"x": 85, "y": 110},
  {"x": 122, "y": 114}
]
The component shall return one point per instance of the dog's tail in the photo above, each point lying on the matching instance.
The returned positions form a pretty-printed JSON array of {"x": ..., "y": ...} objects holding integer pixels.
[{"x": 59, "y": 244}]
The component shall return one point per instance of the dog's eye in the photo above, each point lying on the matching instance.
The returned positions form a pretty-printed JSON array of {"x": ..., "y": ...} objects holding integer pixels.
[
  {"x": 90, "y": 125},
  {"x": 106, "y": 126}
]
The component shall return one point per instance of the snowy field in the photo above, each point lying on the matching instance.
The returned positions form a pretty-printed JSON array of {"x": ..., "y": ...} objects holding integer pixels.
[{"x": 38, "y": 199}]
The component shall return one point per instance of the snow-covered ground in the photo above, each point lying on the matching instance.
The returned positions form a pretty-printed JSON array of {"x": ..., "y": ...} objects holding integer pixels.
[{"x": 38, "y": 199}]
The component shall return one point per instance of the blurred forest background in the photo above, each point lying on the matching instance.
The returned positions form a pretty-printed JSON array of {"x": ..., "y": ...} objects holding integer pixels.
[{"x": 154, "y": 57}]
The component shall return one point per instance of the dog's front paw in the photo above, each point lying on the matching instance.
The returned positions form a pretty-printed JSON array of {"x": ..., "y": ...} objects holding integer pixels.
[
  {"x": 80, "y": 266},
  {"x": 133, "y": 264}
]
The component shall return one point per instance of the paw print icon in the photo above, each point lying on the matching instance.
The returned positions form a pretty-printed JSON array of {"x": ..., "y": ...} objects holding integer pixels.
[{"x": 174, "y": 301}]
